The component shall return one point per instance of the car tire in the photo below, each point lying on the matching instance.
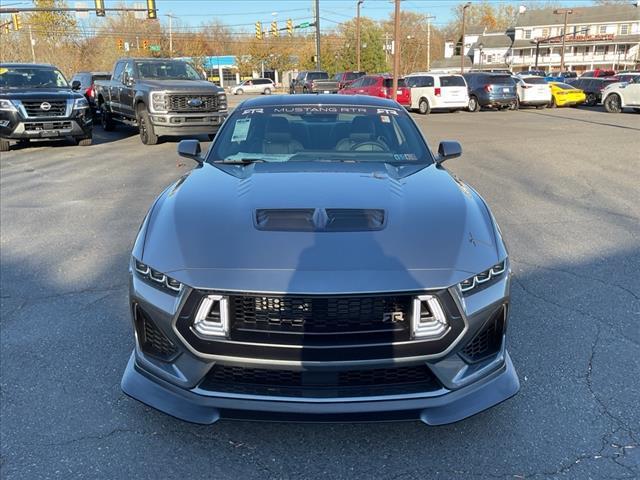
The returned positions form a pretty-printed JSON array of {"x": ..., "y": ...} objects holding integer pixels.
[
  {"x": 4, "y": 145},
  {"x": 613, "y": 103},
  {"x": 267, "y": 91},
  {"x": 84, "y": 141},
  {"x": 474, "y": 105},
  {"x": 515, "y": 105},
  {"x": 106, "y": 121},
  {"x": 147, "y": 135},
  {"x": 590, "y": 100},
  {"x": 423, "y": 107},
  {"x": 553, "y": 103},
  {"x": 239, "y": 91}
]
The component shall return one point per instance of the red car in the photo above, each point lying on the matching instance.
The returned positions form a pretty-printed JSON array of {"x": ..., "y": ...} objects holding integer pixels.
[{"x": 379, "y": 86}]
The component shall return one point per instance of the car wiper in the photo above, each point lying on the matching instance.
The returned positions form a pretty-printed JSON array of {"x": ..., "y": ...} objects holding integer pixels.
[{"x": 242, "y": 161}]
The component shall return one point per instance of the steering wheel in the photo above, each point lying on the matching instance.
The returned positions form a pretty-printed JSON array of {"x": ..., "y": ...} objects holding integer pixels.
[{"x": 369, "y": 146}]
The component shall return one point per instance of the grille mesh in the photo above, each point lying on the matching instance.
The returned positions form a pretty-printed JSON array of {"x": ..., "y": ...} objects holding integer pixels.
[
  {"x": 180, "y": 103},
  {"x": 487, "y": 341},
  {"x": 58, "y": 108},
  {"x": 151, "y": 338},
  {"x": 319, "y": 315}
]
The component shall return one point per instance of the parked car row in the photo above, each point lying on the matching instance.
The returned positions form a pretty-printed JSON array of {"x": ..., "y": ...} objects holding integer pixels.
[{"x": 158, "y": 96}]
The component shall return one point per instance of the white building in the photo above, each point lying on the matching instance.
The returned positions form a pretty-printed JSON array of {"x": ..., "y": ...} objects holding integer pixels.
[{"x": 605, "y": 36}]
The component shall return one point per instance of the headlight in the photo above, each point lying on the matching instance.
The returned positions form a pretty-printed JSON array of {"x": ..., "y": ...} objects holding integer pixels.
[
  {"x": 7, "y": 106},
  {"x": 222, "y": 101},
  {"x": 158, "y": 102},
  {"x": 157, "y": 277},
  {"x": 477, "y": 280},
  {"x": 428, "y": 320},
  {"x": 80, "y": 103},
  {"x": 212, "y": 319}
]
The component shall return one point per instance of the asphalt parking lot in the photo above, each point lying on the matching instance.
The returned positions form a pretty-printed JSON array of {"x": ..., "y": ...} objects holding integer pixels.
[{"x": 563, "y": 185}]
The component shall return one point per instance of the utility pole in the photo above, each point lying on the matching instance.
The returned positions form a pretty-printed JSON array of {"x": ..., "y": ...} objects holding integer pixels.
[
  {"x": 429, "y": 17},
  {"x": 464, "y": 19},
  {"x": 358, "y": 3},
  {"x": 170, "y": 15},
  {"x": 396, "y": 49},
  {"x": 566, "y": 12},
  {"x": 317, "y": 12},
  {"x": 31, "y": 42}
]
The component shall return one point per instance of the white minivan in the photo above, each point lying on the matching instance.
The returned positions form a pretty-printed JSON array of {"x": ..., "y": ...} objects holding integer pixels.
[
  {"x": 254, "y": 85},
  {"x": 437, "y": 91}
]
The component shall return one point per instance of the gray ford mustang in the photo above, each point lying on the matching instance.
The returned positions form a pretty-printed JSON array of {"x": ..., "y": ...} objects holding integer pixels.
[{"x": 319, "y": 264}]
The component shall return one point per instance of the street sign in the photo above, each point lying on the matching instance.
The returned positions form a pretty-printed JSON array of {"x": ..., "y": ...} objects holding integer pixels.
[
  {"x": 154, "y": 48},
  {"x": 303, "y": 25},
  {"x": 126, "y": 46}
]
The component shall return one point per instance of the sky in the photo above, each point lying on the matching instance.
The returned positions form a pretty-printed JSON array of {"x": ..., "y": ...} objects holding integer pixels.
[{"x": 242, "y": 14}]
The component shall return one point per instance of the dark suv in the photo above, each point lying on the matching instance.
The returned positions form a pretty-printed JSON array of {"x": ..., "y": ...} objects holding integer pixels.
[
  {"x": 593, "y": 87},
  {"x": 491, "y": 90},
  {"x": 37, "y": 102}
]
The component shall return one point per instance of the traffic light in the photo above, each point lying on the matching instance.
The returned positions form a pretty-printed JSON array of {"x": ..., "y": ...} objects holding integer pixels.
[
  {"x": 258, "y": 30},
  {"x": 100, "y": 8},
  {"x": 17, "y": 23},
  {"x": 152, "y": 14},
  {"x": 290, "y": 27},
  {"x": 274, "y": 29},
  {"x": 6, "y": 28},
  {"x": 145, "y": 44},
  {"x": 120, "y": 44}
]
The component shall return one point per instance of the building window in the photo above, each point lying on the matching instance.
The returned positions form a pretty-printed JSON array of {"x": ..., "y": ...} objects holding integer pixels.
[
  {"x": 600, "y": 49},
  {"x": 622, "y": 48},
  {"x": 602, "y": 29},
  {"x": 527, "y": 34},
  {"x": 624, "y": 29},
  {"x": 587, "y": 50},
  {"x": 489, "y": 58},
  {"x": 545, "y": 32}
]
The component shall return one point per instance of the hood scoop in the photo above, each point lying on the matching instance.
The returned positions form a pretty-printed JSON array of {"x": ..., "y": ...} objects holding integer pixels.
[{"x": 320, "y": 219}]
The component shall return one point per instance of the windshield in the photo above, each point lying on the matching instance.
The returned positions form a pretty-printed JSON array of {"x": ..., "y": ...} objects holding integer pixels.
[
  {"x": 317, "y": 76},
  {"x": 353, "y": 75},
  {"x": 167, "y": 70},
  {"x": 388, "y": 82},
  {"x": 327, "y": 133},
  {"x": 534, "y": 80},
  {"x": 565, "y": 86},
  {"x": 501, "y": 80},
  {"x": 31, "y": 77}
]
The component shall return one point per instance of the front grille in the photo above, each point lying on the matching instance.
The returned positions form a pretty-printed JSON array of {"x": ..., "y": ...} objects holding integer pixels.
[
  {"x": 488, "y": 340},
  {"x": 320, "y": 314},
  {"x": 37, "y": 126},
  {"x": 319, "y": 383},
  {"x": 202, "y": 103},
  {"x": 151, "y": 338},
  {"x": 34, "y": 108}
]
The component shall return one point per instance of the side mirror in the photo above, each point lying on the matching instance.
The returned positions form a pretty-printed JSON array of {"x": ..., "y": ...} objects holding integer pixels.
[
  {"x": 75, "y": 85},
  {"x": 127, "y": 79},
  {"x": 190, "y": 149},
  {"x": 447, "y": 150}
]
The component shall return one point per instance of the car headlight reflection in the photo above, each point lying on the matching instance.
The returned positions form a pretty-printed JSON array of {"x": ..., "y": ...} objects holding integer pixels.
[
  {"x": 165, "y": 281},
  {"x": 483, "y": 277}
]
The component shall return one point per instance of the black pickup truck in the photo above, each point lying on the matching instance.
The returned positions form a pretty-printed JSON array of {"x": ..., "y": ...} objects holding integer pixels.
[
  {"x": 37, "y": 102},
  {"x": 160, "y": 97}
]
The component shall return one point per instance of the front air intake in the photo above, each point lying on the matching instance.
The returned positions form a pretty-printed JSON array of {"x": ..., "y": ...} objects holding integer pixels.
[
  {"x": 320, "y": 219},
  {"x": 151, "y": 339}
]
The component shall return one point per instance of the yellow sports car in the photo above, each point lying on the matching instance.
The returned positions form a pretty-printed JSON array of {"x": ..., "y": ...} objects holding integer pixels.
[{"x": 564, "y": 95}]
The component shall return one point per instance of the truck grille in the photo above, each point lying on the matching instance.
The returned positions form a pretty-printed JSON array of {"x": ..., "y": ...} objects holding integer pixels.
[
  {"x": 323, "y": 383},
  {"x": 309, "y": 315},
  {"x": 193, "y": 103},
  {"x": 34, "y": 108}
]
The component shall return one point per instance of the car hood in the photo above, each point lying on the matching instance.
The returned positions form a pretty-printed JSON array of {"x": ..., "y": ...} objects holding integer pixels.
[
  {"x": 181, "y": 85},
  {"x": 202, "y": 230},
  {"x": 38, "y": 94}
]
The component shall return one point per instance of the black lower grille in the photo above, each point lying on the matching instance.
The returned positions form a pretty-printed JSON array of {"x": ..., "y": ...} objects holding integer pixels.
[
  {"x": 37, "y": 126},
  {"x": 319, "y": 383},
  {"x": 151, "y": 338},
  {"x": 52, "y": 108},
  {"x": 193, "y": 103},
  {"x": 488, "y": 340},
  {"x": 321, "y": 314}
]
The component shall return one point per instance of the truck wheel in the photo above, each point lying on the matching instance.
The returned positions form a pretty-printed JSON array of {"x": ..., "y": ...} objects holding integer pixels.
[
  {"x": 105, "y": 119},
  {"x": 267, "y": 91},
  {"x": 591, "y": 100},
  {"x": 239, "y": 91},
  {"x": 423, "y": 107},
  {"x": 4, "y": 145},
  {"x": 147, "y": 135},
  {"x": 612, "y": 103}
]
